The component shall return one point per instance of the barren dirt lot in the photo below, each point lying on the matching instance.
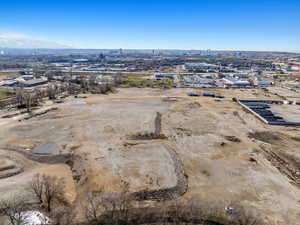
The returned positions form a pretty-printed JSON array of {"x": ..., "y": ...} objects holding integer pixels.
[{"x": 162, "y": 142}]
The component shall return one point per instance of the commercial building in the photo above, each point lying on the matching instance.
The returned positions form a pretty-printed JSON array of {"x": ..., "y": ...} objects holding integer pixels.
[
  {"x": 200, "y": 67},
  {"x": 264, "y": 83},
  {"x": 32, "y": 83},
  {"x": 159, "y": 76},
  {"x": 230, "y": 81},
  {"x": 261, "y": 82},
  {"x": 241, "y": 76},
  {"x": 198, "y": 81},
  {"x": 25, "y": 78}
]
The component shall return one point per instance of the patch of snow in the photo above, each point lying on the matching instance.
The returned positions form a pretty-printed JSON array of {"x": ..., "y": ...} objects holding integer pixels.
[{"x": 34, "y": 218}]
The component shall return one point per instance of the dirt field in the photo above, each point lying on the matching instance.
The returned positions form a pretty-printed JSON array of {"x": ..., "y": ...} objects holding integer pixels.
[
  {"x": 163, "y": 142},
  {"x": 288, "y": 112},
  {"x": 8, "y": 74}
]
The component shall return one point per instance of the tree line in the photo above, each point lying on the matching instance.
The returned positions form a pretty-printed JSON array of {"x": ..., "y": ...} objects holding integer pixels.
[
  {"x": 104, "y": 208},
  {"x": 28, "y": 98}
]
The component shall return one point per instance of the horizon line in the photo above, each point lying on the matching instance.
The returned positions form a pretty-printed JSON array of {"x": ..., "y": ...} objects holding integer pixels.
[{"x": 157, "y": 49}]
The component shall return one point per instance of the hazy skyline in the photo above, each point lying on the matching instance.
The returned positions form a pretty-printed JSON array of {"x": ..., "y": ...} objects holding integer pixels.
[{"x": 217, "y": 25}]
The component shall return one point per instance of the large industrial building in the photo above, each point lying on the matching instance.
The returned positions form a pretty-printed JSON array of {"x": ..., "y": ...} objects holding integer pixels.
[
  {"x": 200, "y": 67},
  {"x": 230, "y": 81},
  {"x": 32, "y": 83}
]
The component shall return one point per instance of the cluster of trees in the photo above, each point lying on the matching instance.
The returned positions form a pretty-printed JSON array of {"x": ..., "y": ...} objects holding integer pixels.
[
  {"x": 12, "y": 211},
  {"x": 47, "y": 199},
  {"x": 90, "y": 84},
  {"x": 85, "y": 84},
  {"x": 12, "y": 65},
  {"x": 47, "y": 191},
  {"x": 102, "y": 208},
  {"x": 29, "y": 98}
]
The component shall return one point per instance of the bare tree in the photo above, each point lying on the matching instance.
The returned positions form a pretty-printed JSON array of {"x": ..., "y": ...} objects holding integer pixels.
[
  {"x": 72, "y": 88},
  {"x": 112, "y": 207},
  {"x": 48, "y": 190},
  {"x": 50, "y": 74},
  {"x": 53, "y": 190},
  {"x": 37, "y": 187},
  {"x": 62, "y": 215},
  {"x": 40, "y": 94},
  {"x": 29, "y": 100},
  {"x": 106, "y": 87},
  {"x": 92, "y": 80},
  {"x": 119, "y": 79},
  {"x": 93, "y": 206},
  {"x": 13, "y": 210},
  {"x": 26, "y": 98},
  {"x": 52, "y": 91},
  {"x": 84, "y": 84},
  {"x": 125, "y": 200},
  {"x": 19, "y": 92}
]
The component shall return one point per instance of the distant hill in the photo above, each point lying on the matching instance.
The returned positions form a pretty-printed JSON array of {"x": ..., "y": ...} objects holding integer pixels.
[{"x": 19, "y": 42}]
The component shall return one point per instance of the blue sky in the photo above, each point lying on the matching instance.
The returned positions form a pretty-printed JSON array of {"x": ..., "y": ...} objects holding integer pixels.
[{"x": 191, "y": 24}]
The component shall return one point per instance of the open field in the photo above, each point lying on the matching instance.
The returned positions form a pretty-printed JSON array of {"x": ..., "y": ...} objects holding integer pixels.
[
  {"x": 165, "y": 145},
  {"x": 4, "y": 94},
  {"x": 8, "y": 74},
  {"x": 288, "y": 112},
  {"x": 143, "y": 81}
]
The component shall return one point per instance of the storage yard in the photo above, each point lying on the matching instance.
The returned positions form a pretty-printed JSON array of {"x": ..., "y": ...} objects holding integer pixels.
[{"x": 165, "y": 144}]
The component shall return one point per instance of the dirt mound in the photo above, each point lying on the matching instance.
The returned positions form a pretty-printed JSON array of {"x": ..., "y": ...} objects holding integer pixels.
[
  {"x": 9, "y": 168},
  {"x": 194, "y": 105},
  {"x": 170, "y": 99},
  {"x": 265, "y": 136},
  {"x": 232, "y": 139}
]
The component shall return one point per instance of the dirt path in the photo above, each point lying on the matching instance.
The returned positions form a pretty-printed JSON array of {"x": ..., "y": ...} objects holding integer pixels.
[{"x": 284, "y": 166}]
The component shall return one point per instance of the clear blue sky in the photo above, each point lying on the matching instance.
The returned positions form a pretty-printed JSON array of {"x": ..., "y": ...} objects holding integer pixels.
[{"x": 167, "y": 24}]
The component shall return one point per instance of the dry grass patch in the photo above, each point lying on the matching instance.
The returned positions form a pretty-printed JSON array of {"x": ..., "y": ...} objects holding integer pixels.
[
  {"x": 296, "y": 138},
  {"x": 265, "y": 136},
  {"x": 74, "y": 148},
  {"x": 147, "y": 136},
  {"x": 129, "y": 144},
  {"x": 4, "y": 94},
  {"x": 216, "y": 156},
  {"x": 206, "y": 172},
  {"x": 232, "y": 139}
]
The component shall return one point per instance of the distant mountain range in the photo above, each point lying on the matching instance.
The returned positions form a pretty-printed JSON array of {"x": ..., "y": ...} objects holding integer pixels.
[{"x": 19, "y": 42}]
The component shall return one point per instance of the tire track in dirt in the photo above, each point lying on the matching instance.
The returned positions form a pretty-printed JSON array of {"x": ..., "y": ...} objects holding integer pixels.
[{"x": 284, "y": 166}]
